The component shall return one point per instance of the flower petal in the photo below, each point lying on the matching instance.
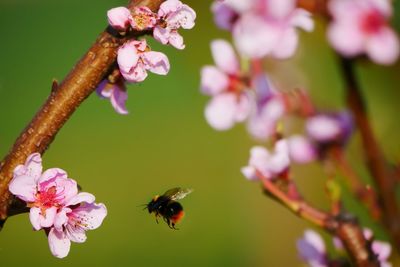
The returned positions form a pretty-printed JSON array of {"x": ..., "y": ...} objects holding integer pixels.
[
  {"x": 156, "y": 62},
  {"x": 127, "y": 57},
  {"x": 224, "y": 56},
  {"x": 383, "y": 47},
  {"x": 91, "y": 215},
  {"x": 81, "y": 197},
  {"x": 24, "y": 187},
  {"x": 220, "y": 112},
  {"x": 118, "y": 99},
  {"x": 176, "y": 40},
  {"x": 59, "y": 244},
  {"x": 47, "y": 219},
  {"x": 213, "y": 81},
  {"x": 34, "y": 217},
  {"x": 118, "y": 18}
]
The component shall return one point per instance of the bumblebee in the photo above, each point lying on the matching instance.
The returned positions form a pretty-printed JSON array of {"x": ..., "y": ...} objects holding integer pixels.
[{"x": 167, "y": 206}]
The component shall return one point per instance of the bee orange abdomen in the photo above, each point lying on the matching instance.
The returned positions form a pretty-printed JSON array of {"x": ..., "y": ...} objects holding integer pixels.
[{"x": 177, "y": 217}]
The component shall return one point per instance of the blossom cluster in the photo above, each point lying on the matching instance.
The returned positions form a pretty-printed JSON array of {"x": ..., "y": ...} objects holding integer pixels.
[
  {"x": 135, "y": 57},
  {"x": 312, "y": 249},
  {"x": 55, "y": 204}
]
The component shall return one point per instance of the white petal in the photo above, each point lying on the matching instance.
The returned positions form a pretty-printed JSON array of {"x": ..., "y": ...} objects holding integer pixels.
[
  {"x": 224, "y": 56},
  {"x": 59, "y": 244}
]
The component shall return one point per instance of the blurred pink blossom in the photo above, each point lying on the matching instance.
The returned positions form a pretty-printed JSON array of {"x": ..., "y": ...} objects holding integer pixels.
[
  {"x": 135, "y": 59},
  {"x": 117, "y": 94},
  {"x": 267, "y": 111},
  {"x": 44, "y": 192},
  {"x": 229, "y": 104},
  {"x": 301, "y": 149},
  {"x": 79, "y": 215},
  {"x": 361, "y": 26},
  {"x": 263, "y": 27},
  {"x": 271, "y": 165},
  {"x": 173, "y": 15},
  {"x": 312, "y": 249}
]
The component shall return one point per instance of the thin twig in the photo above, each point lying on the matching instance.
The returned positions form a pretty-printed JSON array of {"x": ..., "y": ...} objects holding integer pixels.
[
  {"x": 62, "y": 102},
  {"x": 382, "y": 175},
  {"x": 346, "y": 228}
]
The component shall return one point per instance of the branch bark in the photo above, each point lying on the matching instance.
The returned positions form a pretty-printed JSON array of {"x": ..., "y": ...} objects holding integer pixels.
[
  {"x": 62, "y": 102},
  {"x": 383, "y": 176},
  {"x": 344, "y": 227}
]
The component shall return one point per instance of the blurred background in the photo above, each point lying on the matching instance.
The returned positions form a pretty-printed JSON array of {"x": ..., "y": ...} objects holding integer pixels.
[{"x": 165, "y": 142}]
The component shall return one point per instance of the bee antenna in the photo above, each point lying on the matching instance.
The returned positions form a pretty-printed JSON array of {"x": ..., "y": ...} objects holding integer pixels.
[{"x": 142, "y": 206}]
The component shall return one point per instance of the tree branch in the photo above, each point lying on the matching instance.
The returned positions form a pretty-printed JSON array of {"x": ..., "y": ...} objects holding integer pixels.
[
  {"x": 62, "y": 102},
  {"x": 383, "y": 177},
  {"x": 344, "y": 227}
]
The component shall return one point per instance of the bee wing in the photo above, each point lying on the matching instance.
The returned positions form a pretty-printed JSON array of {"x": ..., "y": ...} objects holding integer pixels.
[{"x": 178, "y": 193}]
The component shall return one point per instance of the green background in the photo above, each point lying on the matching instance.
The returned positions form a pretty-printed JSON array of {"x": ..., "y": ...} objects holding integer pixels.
[{"x": 165, "y": 142}]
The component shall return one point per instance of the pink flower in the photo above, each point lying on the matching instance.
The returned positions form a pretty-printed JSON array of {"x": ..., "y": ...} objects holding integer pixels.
[
  {"x": 312, "y": 249},
  {"x": 116, "y": 92},
  {"x": 135, "y": 59},
  {"x": 270, "y": 165},
  {"x": 79, "y": 215},
  {"x": 301, "y": 149},
  {"x": 174, "y": 15},
  {"x": 361, "y": 26},
  {"x": 268, "y": 27},
  {"x": 44, "y": 192},
  {"x": 224, "y": 15},
  {"x": 229, "y": 103},
  {"x": 119, "y": 18},
  {"x": 330, "y": 128},
  {"x": 143, "y": 19},
  {"x": 269, "y": 110}
]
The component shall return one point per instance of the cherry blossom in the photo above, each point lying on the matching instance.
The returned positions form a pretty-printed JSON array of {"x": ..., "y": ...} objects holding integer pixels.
[
  {"x": 269, "y": 109},
  {"x": 270, "y": 165},
  {"x": 230, "y": 103},
  {"x": 312, "y": 249},
  {"x": 135, "y": 59},
  {"x": 173, "y": 15},
  {"x": 79, "y": 215},
  {"x": 117, "y": 94},
  {"x": 44, "y": 193},
  {"x": 142, "y": 18},
  {"x": 361, "y": 26},
  {"x": 119, "y": 18},
  {"x": 263, "y": 27},
  {"x": 301, "y": 149}
]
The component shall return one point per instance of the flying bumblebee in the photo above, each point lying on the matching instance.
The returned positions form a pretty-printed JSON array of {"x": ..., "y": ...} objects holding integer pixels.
[{"x": 167, "y": 206}]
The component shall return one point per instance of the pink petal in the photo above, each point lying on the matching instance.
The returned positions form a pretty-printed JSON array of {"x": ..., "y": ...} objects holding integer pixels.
[
  {"x": 250, "y": 173},
  {"x": 382, "y": 249},
  {"x": 75, "y": 234},
  {"x": 51, "y": 174},
  {"x": 127, "y": 57},
  {"x": 280, "y": 161},
  {"x": 137, "y": 74},
  {"x": 346, "y": 38},
  {"x": 315, "y": 239},
  {"x": 287, "y": 44},
  {"x": 33, "y": 165},
  {"x": 81, "y": 197},
  {"x": 142, "y": 18},
  {"x": 24, "y": 187},
  {"x": 241, "y": 6},
  {"x": 161, "y": 34},
  {"x": 223, "y": 15},
  {"x": 383, "y": 47},
  {"x": 301, "y": 149},
  {"x": 322, "y": 128},
  {"x": 118, "y": 18},
  {"x": 92, "y": 215},
  {"x": 118, "y": 100},
  {"x": 34, "y": 217},
  {"x": 302, "y": 19},
  {"x": 61, "y": 218},
  {"x": 59, "y": 244},
  {"x": 254, "y": 37},
  {"x": 213, "y": 81},
  {"x": 279, "y": 9},
  {"x": 47, "y": 219},
  {"x": 224, "y": 56},
  {"x": 176, "y": 40},
  {"x": 168, "y": 7},
  {"x": 156, "y": 62}
]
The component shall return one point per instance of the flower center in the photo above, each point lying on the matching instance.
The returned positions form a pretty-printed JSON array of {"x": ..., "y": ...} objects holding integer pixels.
[{"x": 372, "y": 22}]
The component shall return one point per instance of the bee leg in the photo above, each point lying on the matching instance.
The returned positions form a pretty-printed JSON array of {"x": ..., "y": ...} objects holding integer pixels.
[
  {"x": 173, "y": 227},
  {"x": 157, "y": 218}
]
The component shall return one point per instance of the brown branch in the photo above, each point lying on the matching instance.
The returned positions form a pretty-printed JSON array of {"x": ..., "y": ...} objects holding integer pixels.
[
  {"x": 382, "y": 175},
  {"x": 62, "y": 102},
  {"x": 347, "y": 229}
]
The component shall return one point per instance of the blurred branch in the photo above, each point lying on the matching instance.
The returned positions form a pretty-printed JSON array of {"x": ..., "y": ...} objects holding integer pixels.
[
  {"x": 62, "y": 102},
  {"x": 365, "y": 193},
  {"x": 344, "y": 227},
  {"x": 382, "y": 175}
]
